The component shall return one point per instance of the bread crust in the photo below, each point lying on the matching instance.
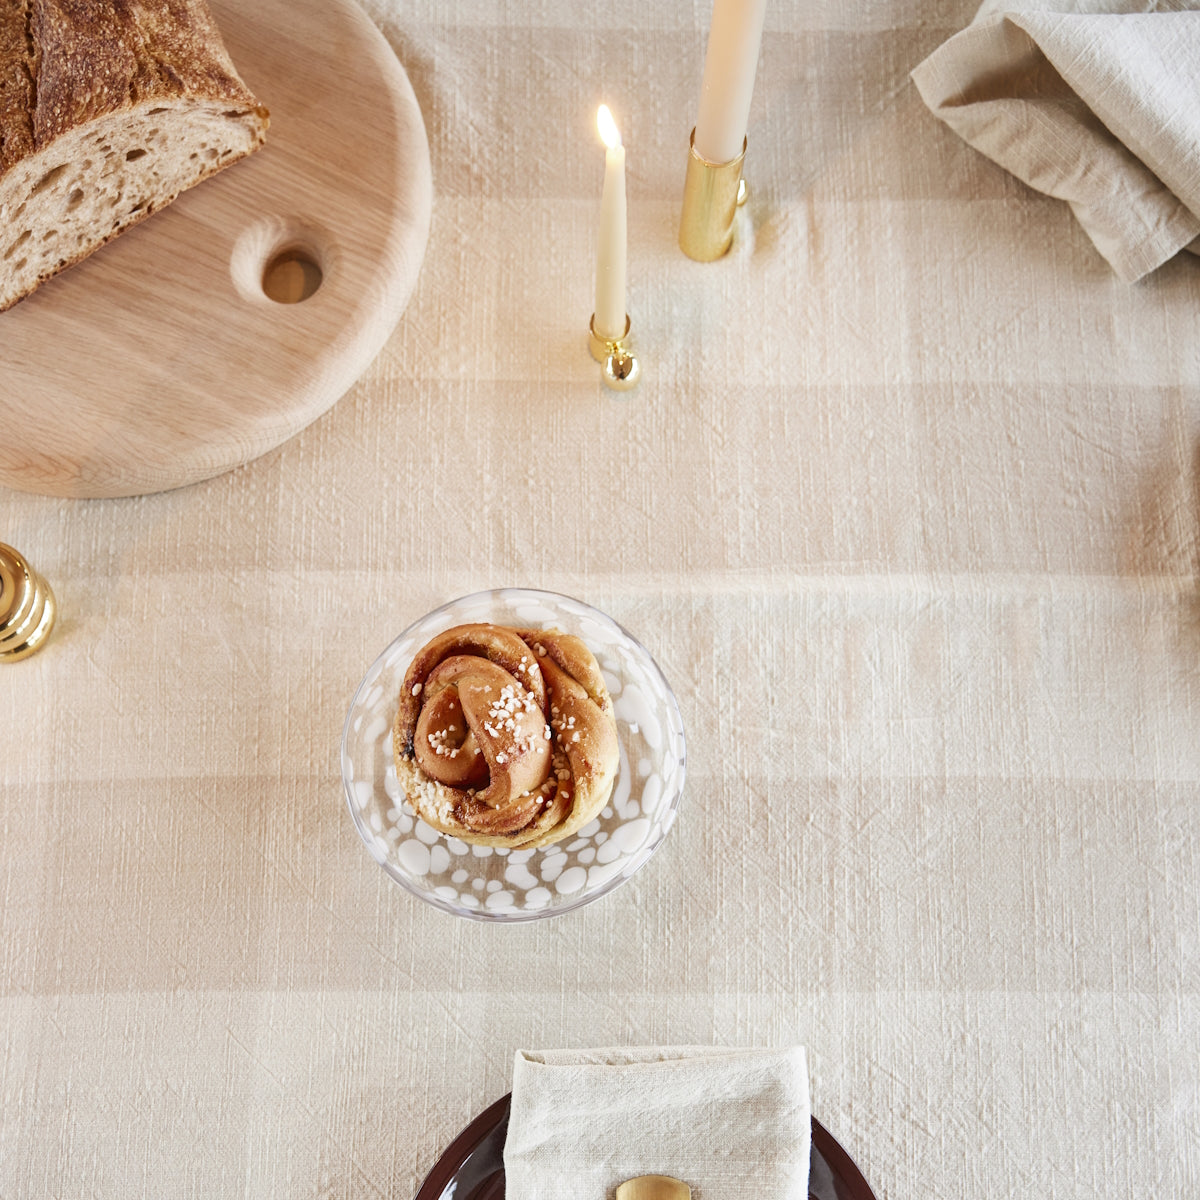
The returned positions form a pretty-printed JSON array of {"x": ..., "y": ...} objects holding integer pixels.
[
  {"x": 64, "y": 63},
  {"x": 18, "y": 73}
]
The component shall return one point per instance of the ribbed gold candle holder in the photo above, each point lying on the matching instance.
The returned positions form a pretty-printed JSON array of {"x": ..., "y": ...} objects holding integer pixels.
[
  {"x": 27, "y": 607},
  {"x": 712, "y": 193}
]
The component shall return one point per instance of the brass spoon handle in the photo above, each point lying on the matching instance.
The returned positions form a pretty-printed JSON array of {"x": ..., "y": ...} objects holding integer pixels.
[{"x": 654, "y": 1187}]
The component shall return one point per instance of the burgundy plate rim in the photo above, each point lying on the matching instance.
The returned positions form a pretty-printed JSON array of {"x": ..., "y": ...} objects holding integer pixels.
[{"x": 853, "y": 1185}]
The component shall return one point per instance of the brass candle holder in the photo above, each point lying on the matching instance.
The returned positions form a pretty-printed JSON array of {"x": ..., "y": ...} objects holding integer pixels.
[
  {"x": 27, "y": 607},
  {"x": 620, "y": 368},
  {"x": 712, "y": 194}
]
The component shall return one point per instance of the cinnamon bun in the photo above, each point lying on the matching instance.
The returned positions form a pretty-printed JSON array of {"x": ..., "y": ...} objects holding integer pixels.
[{"x": 505, "y": 737}]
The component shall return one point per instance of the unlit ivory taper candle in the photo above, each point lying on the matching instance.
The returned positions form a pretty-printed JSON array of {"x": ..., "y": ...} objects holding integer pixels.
[{"x": 729, "y": 69}]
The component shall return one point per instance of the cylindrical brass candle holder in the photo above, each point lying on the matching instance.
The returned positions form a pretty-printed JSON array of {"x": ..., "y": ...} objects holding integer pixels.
[
  {"x": 27, "y": 607},
  {"x": 711, "y": 195},
  {"x": 620, "y": 367}
]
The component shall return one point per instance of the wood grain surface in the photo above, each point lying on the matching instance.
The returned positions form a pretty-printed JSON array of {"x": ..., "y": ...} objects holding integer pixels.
[{"x": 160, "y": 360}]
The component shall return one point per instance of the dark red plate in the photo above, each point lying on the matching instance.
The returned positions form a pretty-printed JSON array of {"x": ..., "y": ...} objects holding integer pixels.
[{"x": 472, "y": 1168}]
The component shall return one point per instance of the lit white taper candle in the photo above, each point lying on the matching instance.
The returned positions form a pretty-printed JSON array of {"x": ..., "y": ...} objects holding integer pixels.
[
  {"x": 610, "y": 250},
  {"x": 729, "y": 68}
]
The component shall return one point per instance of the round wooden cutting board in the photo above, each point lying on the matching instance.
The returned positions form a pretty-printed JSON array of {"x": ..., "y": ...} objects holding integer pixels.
[{"x": 160, "y": 360}]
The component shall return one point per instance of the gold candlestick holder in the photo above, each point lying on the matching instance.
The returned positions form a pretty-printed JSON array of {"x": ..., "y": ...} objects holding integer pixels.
[
  {"x": 620, "y": 368},
  {"x": 27, "y": 607},
  {"x": 712, "y": 194}
]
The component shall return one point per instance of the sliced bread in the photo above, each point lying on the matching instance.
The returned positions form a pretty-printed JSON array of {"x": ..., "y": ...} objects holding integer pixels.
[{"x": 108, "y": 110}]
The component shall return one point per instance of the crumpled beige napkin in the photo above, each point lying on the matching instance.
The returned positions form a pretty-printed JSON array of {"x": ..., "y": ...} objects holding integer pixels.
[
  {"x": 1096, "y": 102},
  {"x": 733, "y": 1124}
]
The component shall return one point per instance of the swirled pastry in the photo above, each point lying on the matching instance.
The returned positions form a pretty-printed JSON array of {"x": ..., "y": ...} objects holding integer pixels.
[{"x": 505, "y": 737}]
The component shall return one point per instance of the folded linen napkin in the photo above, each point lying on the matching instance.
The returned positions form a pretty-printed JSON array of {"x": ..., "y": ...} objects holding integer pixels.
[
  {"x": 1096, "y": 102},
  {"x": 733, "y": 1124}
]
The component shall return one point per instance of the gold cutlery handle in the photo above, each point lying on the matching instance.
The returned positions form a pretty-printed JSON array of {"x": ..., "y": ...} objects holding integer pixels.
[{"x": 654, "y": 1187}]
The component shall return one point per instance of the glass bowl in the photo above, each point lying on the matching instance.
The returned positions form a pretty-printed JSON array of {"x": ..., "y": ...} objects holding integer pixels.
[{"x": 484, "y": 883}]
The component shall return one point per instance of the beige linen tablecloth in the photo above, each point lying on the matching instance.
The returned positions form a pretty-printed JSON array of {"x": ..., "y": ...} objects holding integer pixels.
[{"x": 905, "y": 507}]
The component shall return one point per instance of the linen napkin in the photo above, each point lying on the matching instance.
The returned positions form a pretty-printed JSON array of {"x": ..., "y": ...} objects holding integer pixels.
[
  {"x": 1096, "y": 102},
  {"x": 733, "y": 1124}
]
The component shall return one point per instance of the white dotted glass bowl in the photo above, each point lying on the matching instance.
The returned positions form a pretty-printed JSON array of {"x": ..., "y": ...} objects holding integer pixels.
[{"x": 486, "y": 884}]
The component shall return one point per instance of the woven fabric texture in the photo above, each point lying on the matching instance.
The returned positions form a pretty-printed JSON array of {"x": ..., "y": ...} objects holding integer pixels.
[
  {"x": 1095, "y": 102},
  {"x": 905, "y": 506}
]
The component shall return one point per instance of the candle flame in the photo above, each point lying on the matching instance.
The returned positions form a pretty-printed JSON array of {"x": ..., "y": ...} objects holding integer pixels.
[{"x": 609, "y": 132}]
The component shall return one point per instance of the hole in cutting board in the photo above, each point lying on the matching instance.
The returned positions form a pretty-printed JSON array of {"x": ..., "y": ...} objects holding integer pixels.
[
  {"x": 291, "y": 276},
  {"x": 283, "y": 261}
]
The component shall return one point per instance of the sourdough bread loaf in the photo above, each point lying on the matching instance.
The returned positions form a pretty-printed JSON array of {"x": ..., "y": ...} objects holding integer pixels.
[{"x": 108, "y": 110}]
